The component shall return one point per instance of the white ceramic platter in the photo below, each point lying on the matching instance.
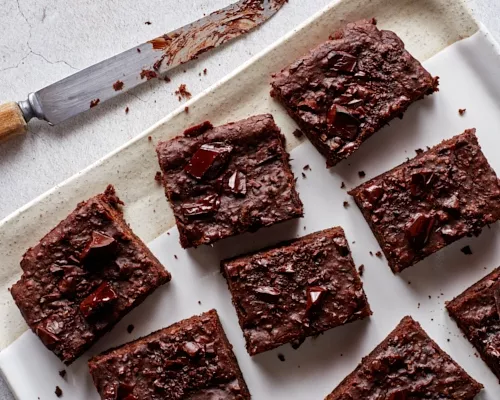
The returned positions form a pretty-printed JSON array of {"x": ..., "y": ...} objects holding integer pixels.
[{"x": 470, "y": 78}]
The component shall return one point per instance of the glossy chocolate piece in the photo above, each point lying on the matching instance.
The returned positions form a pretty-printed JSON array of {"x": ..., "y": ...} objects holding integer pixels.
[
  {"x": 477, "y": 313},
  {"x": 407, "y": 365},
  {"x": 228, "y": 180},
  {"x": 430, "y": 201},
  {"x": 349, "y": 87},
  {"x": 191, "y": 359},
  {"x": 84, "y": 276},
  {"x": 295, "y": 289}
]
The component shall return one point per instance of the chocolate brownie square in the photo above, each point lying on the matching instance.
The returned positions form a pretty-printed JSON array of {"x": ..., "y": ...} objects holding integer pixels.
[
  {"x": 430, "y": 201},
  {"x": 408, "y": 364},
  {"x": 296, "y": 289},
  {"x": 84, "y": 276},
  {"x": 228, "y": 180},
  {"x": 349, "y": 87},
  {"x": 191, "y": 359},
  {"x": 477, "y": 313}
]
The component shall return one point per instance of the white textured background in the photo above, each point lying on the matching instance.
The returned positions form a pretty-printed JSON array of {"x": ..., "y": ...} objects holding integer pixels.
[{"x": 42, "y": 41}]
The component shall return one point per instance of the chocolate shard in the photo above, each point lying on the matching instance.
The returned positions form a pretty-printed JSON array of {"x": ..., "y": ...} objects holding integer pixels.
[
  {"x": 238, "y": 183},
  {"x": 341, "y": 61},
  {"x": 315, "y": 295},
  {"x": 268, "y": 293},
  {"x": 99, "y": 246},
  {"x": 209, "y": 160},
  {"x": 103, "y": 296},
  {"x": 342, "y": 123},
  {"x": 205, "y": 206},
  {"x": 419, "y": 230},
  {"x": 48, "y": 338}
]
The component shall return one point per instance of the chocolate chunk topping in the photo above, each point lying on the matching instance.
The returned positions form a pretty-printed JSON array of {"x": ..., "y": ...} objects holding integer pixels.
[
  {"x": 341, "y": 61},
  {"x": 372, "y": 194},
  {"x": 191, "y": 349},
  {"x": 47, "y": 337},
  {"x": 209, "y": 161},
  {"x": 419, "y": 230},
  {"x": 452, "y": 203},
  {"x": 238, "y": 183},
  {"x": 99, "y": 246},
  {"x": 268, "y": 293},
  {"x": 124, "y": 390},
  {"x": 342, "y": 123},
  {"x": 100, "y": 298},
  {"x": 315, "y": 295},
  {"x": 203, "y": 207},
  {"x": 268, "y": 154}
]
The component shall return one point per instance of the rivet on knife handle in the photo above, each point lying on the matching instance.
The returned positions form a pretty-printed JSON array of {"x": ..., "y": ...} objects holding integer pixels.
[{"x": 12, "y": 121}]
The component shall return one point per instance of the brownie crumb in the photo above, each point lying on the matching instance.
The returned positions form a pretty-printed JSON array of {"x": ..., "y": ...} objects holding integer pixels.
[
  {"x": 205, "y": 71},
  {"x": 466, "y": 250},
  {"x": 183, "y": 92},
  {"x": 126, "y": 110},
  {"x": 138, "y": 50},
  {"x": 281, "y": 357},
  {"x": 378, "y": 254},
  {"x": 306, "y": 167},
  {"x": 167, "y": 79},
  {"x": 147, "y": 22},
  {"x": 418, "y": 305},
  {"x": 342, "y": 186},
  {"x": 430, "y": 297},
  {"x": 361, "y": 174},
  {"x": 298, "y": 133},
  {"x": 346, "y": 204},
  {"x": 175, "y": 256},
  {"x": 297, "y": 343},
  {"x": 62, "y": 373},
  {"x": 130, "y": 328},
  {"x": 361, "y": 269},
  {"x": 304, "y": 175},
  {"x": 462, "y": 111},
  {"x": 199, "y": 302},
  {"x": 150, "y": 138},
  {"x": 409, "y": 282},
  {"x": 94, "y": 102},
  {"x": 58, "y": 391},
  {"x": 118, "y": 85},
  {"x": 158, "y": 177},
  {"x": 148, "y": 74},
  {"x": 419, "y": 151},
  {"x": 186, "y": 110}
]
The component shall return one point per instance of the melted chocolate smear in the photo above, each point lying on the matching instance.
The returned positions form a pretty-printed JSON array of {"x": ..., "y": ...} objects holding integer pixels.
[
  {"x": 342, "y": 123},
  {"x": 238, "y": 183},
  {"x": 203, "y": 207},
  {"x": 103, "y": 296},
  {"x": 419, "y": 230},
  {"x": 209, "y": 160}
]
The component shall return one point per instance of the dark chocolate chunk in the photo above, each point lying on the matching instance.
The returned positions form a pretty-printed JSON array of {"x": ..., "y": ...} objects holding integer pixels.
[
  {"x": 102, "y": 297},
  {"x": 419, "y": 230},
  {"x": 209, "y": 160},
  {"x": 99, "y": 246},
  {"x": 203, "y": 207},
  {"x": 58, "y": 391},
  {"x": 238, "y": 183},
  {"x": 342, "y": 123},
  {"x": 315, "y": 295},
  {"x": 466, "y": 250}
]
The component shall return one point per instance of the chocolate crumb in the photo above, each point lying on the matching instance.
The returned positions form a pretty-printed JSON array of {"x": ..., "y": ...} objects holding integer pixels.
[
  {"x": 418, "y": 305},
  {"x": 361, "y": 269},
  {"x": 130, "y": 328},
  {"x": 150, "y": 138},
  {"x": 118, "y": 85},
  {"x": 138, "y": 50},
  {"x": 306, "y": 167},
  {"x": 346, "y": 204},
  {"x": 58, "y": 391},
  {"x": 186, "y": 110},
  {"x": 298, "y": 133},
  {"x": 158, "y": 177},
  {"x": 304, "y": 175},
  {"x": 148, "y": 22},
  {"x": 466, "y": 250},
  {"x": 62, "y": 373},
  {"x": 94, "y": 102},
  {"x": 430, "y": 297},
  {"x": 409, "y": 282},
  {"x": 378, "y": 254},
  {"x": 371, "y": 253},
  {"x": 205, "y": 71},
  {"x": 462, "y": 111},
  {"x": 167, "y": 79},
  {"x": 183, "y": 92},
  {"x": 175, "y": 256},
  {"x": 199, "y": 302},
  {"x": 342, "y": 186},
  {"x": 126, "y": 110},
  {"x": 361, "y": 174},
  {"x": 281, "y": 357},
  {"x": 148, "y": 74}
]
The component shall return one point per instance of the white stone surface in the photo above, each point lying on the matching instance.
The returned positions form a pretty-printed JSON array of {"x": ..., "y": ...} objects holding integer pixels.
[{"x": 45, "y": 40}]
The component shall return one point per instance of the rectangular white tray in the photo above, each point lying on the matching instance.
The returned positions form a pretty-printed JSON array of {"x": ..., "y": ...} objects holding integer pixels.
[{"x": 470, "y": 72}]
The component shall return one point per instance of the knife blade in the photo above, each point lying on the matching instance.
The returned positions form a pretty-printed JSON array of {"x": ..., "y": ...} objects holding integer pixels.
[{"x": 107, "y": 79}]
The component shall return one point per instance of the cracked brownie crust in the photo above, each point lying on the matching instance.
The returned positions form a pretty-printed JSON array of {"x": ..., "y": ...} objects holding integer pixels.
[{"x": 349, "y": 87}]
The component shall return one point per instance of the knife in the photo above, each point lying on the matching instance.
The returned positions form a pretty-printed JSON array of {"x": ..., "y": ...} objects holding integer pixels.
[{"x": 96, "y": 84}]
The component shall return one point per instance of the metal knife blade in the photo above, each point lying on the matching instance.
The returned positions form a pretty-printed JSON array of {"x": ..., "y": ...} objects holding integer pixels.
[{"x": 107, "y": 79}]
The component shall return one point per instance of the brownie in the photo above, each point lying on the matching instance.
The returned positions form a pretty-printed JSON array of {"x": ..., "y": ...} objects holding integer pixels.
[
  {"x": 228, "y": 180},
  {"x": 407, "y": 365},
  {"x": 430, "y": 201},
  {"x": 349, "y": 87},
  {"x": 191, "y": 359},
  {"x": 84, "y": 276},
  {"x": 477, "y": 313},
  {"x": 296, "y": 289}
]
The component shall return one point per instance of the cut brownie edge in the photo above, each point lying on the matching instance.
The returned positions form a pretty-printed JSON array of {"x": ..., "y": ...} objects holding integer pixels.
[
  {"x": 459, "y": 386},
  {"x": 476, "y": 312}
]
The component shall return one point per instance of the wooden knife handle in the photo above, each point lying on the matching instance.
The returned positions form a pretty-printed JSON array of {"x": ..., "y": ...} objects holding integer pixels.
[{"x": 11, "y": 121}]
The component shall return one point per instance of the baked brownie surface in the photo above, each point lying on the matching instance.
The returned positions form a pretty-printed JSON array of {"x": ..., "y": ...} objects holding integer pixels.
[
  {"x": 347, "y": 88},
  {"x": 477, "y": 313},
  {"x": 191, "y": 359},
  {"x": 228, "y": 180},
  {"x": 84, "y": 276},
  {"x": 407, "y": 365},
  {"x": 440, "y": 196},
  {"x": 297, "y": 289}
]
